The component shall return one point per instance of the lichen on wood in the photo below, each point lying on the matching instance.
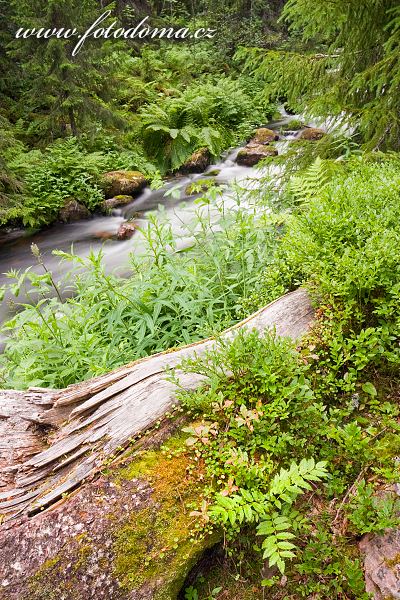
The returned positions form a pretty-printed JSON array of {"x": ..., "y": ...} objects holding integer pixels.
[
  {"x": 128, "y": 534},
  {"x": 104, "y": 414},
  {"x": 98, "y": 513}
]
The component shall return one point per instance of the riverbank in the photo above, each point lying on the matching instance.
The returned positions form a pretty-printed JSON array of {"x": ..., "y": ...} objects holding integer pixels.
[
  {"x": 100, "y": 232},
  {"x": 241, "y": 437}
]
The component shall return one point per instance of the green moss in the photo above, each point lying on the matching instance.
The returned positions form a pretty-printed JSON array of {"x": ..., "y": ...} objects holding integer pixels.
[
  {"x": 131, "y": 175},
  {"x": 47, "y": 566},
  {"x": 388, "y": 446},
  {"x": 41, "y": 585},
  {"x": 393, "y": 562},
  {"x": 145, "y": 463},
  {"x": 49, "y": 579},
  {"x": 293, "y": 125},
  {"x": 85, "y": 550},
  {"x": 264, "y": 135},
  {"x": 199, "y": 186},
  {"x": 158, "y": 543}
]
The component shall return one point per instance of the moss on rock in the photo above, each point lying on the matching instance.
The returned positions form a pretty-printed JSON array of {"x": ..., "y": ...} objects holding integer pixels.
[
  {"x": 312, "y": 134},
  {"x": 263, "y": 135},
  {"x": 252, "y": 155},
  {"x": 128, "y": 533},
  {"x": 123, "y": 183},
  {"x": 197, "y": 162},
  {"x": 200, "y": 186}
]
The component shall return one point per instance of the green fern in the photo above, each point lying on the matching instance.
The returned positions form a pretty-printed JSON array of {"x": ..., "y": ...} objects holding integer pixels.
[
  {"x": 311, "y": 182},
  {"x": 205, "y": 115},
  {"x": 253, "y": 506},
  {"x": 276, "y": 546}
]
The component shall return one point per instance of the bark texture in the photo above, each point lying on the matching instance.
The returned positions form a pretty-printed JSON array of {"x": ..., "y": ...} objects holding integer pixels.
[
  {"x": 382, "y": 564},
  {"x": 64, "y": 540}
]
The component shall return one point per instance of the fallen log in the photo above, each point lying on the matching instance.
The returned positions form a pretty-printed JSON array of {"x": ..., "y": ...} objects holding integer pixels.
[
  {"x": 52, "y": 441},
  {"x": 88, "y": 421}
]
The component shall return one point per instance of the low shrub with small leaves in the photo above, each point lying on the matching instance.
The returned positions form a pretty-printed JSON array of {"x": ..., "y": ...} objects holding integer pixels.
[{"x": 299, "y": 444}]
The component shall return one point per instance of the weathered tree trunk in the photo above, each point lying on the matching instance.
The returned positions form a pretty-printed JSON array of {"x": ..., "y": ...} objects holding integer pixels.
[{"x": 53, "y": 441}]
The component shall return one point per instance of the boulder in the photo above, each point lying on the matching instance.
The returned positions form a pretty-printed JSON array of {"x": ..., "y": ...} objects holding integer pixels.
[
  {"x": 312, "y": 134},
  {"x": 73, "y": 211},
  {"x": 121, "y": 183},
  {"x": 263, "y": 136},
  {"x": 127, "y": 534},
  {"x": 197, "y": 162},
  {"x": 111, "y": 203},
  {"x": 126, "y": 230},
  {"x": 251, "y": 155}
]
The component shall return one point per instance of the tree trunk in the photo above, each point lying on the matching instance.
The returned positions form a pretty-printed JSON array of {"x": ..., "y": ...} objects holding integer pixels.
[
  {"x": 53, "y": 441},
  {"x": 72, "y": 122}
]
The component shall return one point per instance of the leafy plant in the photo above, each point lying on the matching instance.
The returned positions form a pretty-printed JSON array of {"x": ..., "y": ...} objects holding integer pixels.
[
  {"x": 173, "y": 297},
  {"x": 263, "y": 403},
  {"x": 191, "y": 593},
  {"x": 62, "y": 172},
  {"x": 311, "y": 182},
  {"x": 249, "y": 506},
  {"x": 211, "y": 115},
  {"x": 369, "y": 511}
]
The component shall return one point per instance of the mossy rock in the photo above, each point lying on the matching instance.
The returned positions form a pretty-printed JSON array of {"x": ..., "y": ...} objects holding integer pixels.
[
  {"x": 252, "y": 155},
  {"x": 123, "y": 183},
  {"x": 263, "y": 135},
  {"x": 126, "y": 534},
  {"x": 312, "y": 134},
  {"x": 73, "y": 211},
  {"x": 197, "y": 162},
  {"x": 212, "y": 173},
  {"x": 199, "y": 187},
  {"x": 120, "y": 200},
  {"x": 157, "y": 548}
]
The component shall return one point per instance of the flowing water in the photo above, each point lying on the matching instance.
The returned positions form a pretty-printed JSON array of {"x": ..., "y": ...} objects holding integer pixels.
[{"x": 91, "y": 234}]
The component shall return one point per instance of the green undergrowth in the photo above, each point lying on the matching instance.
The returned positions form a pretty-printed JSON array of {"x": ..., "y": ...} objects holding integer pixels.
[
  {"x": 167, "y": 103},
  {"x": 299, "y": 442},
  {"x": 174, "y": 296},
  {"x": 290, "y": 465},
  {"x": 292, "y": 446},
  {"x": 64, "y": 170}
]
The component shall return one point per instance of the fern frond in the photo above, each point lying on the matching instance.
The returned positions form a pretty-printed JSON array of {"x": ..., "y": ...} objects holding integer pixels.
[{"x": 311, "y": 182}]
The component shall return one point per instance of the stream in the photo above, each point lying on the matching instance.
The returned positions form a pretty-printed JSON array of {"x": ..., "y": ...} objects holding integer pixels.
[{"x": 91, "y": 234}]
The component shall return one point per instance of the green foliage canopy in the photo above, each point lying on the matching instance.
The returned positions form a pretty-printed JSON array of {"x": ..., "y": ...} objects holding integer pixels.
[{"x": 341, "y": 60}]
